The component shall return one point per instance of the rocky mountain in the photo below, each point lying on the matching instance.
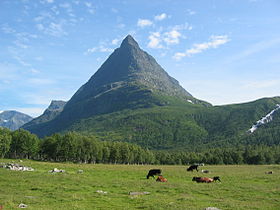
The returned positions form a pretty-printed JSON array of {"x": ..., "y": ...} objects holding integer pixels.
[
  {"x": 129, "y": 79},
  {"x": 132, "y": 98},
  {"x": 13, "y": 119},
  {"x": 50, "y": 113}
]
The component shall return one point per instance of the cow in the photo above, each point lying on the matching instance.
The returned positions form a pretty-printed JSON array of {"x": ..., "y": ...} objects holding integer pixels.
[
  {"x": 161, "y": 179},
  {"x": 269, "y": 172},
  {"x": 202, "y": 179},
  {"x": 216, "y": 178},
  {"x": 193, "y": 167},
  {"x": 205, "y": 171},
  {"x": 153, "y": 172},
  {"x": 205, "y": 179}
]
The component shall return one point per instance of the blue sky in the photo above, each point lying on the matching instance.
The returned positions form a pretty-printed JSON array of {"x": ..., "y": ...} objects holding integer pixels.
[{"x": 220, "y": 51}]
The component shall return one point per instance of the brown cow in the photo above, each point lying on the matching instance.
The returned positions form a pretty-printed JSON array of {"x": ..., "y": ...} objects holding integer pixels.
[
  {"x": 161, "y": 179},
  {"x": 205, "y": 179}
]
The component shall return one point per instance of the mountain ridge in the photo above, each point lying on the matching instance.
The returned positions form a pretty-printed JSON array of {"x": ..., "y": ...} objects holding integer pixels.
[{"x": 13, "y": 119}]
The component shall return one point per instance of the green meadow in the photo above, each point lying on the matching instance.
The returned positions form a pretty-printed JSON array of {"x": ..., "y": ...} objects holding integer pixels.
[{"x": 242, "y": 187}]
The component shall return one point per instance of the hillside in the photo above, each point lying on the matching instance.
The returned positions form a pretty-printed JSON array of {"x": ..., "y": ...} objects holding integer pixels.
[
  {"x": 186, "y": 127},
  {"x": 13, "y": 119},
  {"x": 54, "y": 109}
]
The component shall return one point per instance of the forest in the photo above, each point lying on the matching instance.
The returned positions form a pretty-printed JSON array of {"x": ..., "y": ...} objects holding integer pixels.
[{"x": 77, "y": 148}]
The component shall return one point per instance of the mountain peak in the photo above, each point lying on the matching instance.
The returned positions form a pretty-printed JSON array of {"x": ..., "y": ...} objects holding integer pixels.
[{"x": 129, "y": 41}]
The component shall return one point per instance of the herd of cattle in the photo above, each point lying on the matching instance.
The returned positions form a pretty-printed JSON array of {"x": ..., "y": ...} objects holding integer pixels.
[{"x": 157, "y": 172}]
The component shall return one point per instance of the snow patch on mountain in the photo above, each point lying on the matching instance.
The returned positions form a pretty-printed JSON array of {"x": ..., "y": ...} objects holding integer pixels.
[
  {"x": 1, "y": 111},
  {"x": 268, "y": 118},
  {"x": 190, "y": 101}
]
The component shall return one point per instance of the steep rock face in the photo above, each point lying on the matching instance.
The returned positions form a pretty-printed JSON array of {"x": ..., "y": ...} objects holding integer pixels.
[
  {"x": 128, "y": 72},
  {"x": 50, "y": 113},
  {"x": 130, "y": 64},
  {"x": 129, "y": 79},
  {"x": 13, "y": 119}
]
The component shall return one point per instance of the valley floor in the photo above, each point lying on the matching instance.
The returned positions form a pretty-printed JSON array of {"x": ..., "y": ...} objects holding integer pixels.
[{"x": 107, "y": 187}]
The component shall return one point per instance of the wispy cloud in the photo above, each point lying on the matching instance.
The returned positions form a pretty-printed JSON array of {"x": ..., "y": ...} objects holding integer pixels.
[
  {"x": 90, "y": 7},
  {"x": 144, "y": 22},
  {"x": 253, "y": 49},
  {"x": 40, "y": 81},
  {"x": 115, "y": 41},
  {"x": 53, "y": 29},
  {"x": 185, "y": 26},
  {"x": 155, "y": 40},
  {"x": 100, "y": 48},
  {"x": 161, "y": 40},
  {"x": 215, "y": 41},
  {"x": 46, "y": 1},
  {"x": 172, "y": 37},
  {"x": 7, "y": 29},
  {"x": 160, "y": 17},
  {"x": 191, "y": 12}
]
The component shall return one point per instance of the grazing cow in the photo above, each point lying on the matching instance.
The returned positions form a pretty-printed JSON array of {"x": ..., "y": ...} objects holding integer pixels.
[
  {"x": 205, "y": 179},
  {"x": 153, "y": 172},
  {"x": 193, "y": 167},
  {"x": 268, "y": 172},
  {"x": 202, "y": 179},
  {"x": 161, "y": 179},
  {"x": 216, "y": 178}
]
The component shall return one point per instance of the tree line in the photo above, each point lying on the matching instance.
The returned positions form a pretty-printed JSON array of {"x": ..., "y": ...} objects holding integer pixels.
[{"x": 79, "y": 148}]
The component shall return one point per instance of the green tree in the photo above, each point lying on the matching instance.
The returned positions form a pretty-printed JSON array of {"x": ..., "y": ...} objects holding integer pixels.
[{"x": 5, "y": 141}]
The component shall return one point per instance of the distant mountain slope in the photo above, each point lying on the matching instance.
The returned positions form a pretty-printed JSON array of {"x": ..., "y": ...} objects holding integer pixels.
[
  {"x": 50, "y": 113},
  {"x": 13, "y": 119},
  {"x": 186, "y": 127}
]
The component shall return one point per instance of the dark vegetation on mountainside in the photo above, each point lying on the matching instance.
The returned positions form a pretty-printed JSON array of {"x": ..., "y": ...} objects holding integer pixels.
[{"x": 88, "y": 149}]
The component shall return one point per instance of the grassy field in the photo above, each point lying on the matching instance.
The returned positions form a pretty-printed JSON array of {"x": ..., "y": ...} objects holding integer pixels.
[{"x": 242, "y": 187}]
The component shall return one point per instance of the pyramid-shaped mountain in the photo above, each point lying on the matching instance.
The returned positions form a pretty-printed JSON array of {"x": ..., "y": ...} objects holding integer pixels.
[{"x": 129, "y": 79}]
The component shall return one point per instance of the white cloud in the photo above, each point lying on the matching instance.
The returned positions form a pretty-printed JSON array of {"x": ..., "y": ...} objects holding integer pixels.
[
  {"x": 7, "y": 29},
  {"x": 90, "y": 7},
  {"x": 65, "y": 5},
  {"x": 40, "y": 81},
  {"x": 215, "y": 41},
  {"x": 185, "y": 26},
  {"x": 47, "y": 1},
  {"x": 115, "y": 41},
  {"x": 53, "y": 29},
  {"x": 191, "y": 12},
  {"x": 158, "y": 40},
  {"x": 120, "y": 25},
  {"x": 172, "y": 37},
  {"x": 253, "y": 49},
  {"x": 144, "y": 22},
  {"x": 100, "y": 48},
  {"x": 160, "y": 17},
  {"x": 155, "y": 40}
]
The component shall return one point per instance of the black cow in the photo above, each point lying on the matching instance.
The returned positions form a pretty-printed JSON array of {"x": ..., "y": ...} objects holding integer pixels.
[
  {"x": 193, "y": 167},
  {"x": 153, "y": 172},
  {"x": 216, "y": 178}
]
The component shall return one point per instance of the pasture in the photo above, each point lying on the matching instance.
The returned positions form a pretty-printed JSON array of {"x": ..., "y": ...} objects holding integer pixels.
[{"x": 242, "y": 187}]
